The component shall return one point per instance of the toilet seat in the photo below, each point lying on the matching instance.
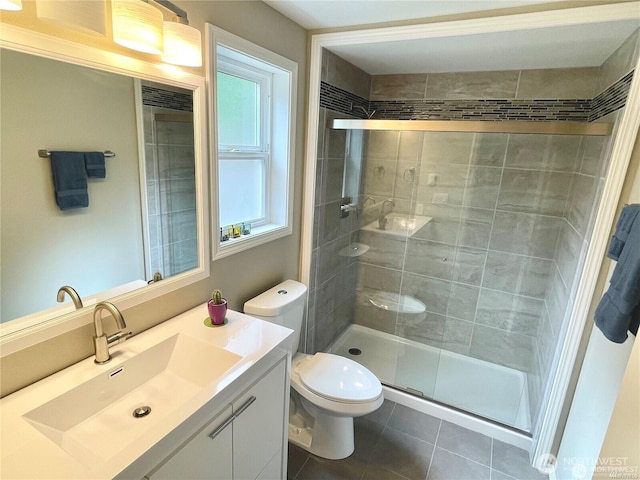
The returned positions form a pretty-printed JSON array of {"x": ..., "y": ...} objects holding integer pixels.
[{"x": 338, "y": 379}]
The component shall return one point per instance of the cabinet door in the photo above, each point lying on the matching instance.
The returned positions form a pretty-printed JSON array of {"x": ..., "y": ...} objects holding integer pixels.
[
  {"x": 208, "y": 455},
  {"x": 258, "y": 431}
]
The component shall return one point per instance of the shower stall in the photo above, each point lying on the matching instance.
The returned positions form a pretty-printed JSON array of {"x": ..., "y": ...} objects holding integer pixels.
[{"x": 450, "y": 233}]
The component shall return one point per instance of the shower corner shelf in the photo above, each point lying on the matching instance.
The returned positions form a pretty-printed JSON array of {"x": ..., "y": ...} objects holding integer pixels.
[
  {"x": 399, "y": 225},
  {"x": 354, "y": 249},
  {"x": 397, "y": 303}
]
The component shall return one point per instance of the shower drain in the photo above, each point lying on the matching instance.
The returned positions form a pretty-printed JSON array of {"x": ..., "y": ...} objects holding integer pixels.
[{"x": 355, "y": 351}]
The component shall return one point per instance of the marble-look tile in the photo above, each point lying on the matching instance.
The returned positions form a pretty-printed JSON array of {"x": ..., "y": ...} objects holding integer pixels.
[
  {"x": 568, "y": 83},
  {"x": 543, "y": 152},
  {"x": 446, "y": 465},
  {"x": 447, "y": 147},
  {"x": 514, "y": 461},
  {"x": 384, "y": 250},
  {"x": 402, "y": 454},
  {"x": 347, "y": 76},
  {"x": 532, "y": 191},
  {"x": 556, "y": 301},
  {"x": 511, "y": 313},
  {"x": 329, "y": 262},
  {"x": 525, "y": 234},
  {"x": 547, "y": 344},
  {"x": 382, "y": 145},
  {"x": 517, "y": 274},
  {"x": 446, "y": 180},
  {"x": 568, "y": 253},
  {"x": 432, "y": 329},
  {"x": 469, "y": 265},
  {"x": 427, "y": 328},
  {"x": 483, "y": 184},
  {"x": 457, "y": 336},
  {"x": 444, "y": 225},
  {"x": 472, "y": 445},
  {"x": 489, "y": 149},
  {"x": 398, "y": 87},
  {"x": 319, "y": 184},
  {"x": 379, "y": 178},
  {"x": 406, "y": 181},
  {"x": 504, "y": 348},
  {"x": 430, "y": 258},
  {"x": 619, "y": 62},
  {"x": 475, "y": 227},
  {"x": 174, "y": 133},
  {"x": 378, "y": 278},
  {"x": 367, "y": 315},
  {"x": 583, "y": 198},
  {"x": 473, "y": 85},
  {"x": 332, "y": 179},
  {"x": 592, "y": 151},
  {"x": 433, "y": 292},
  {"x": 326, "y": 294},
  {"x": 328, "y": 222},
  {"x": 410, "y": 146},
  {"x": 462, "y": 301}
]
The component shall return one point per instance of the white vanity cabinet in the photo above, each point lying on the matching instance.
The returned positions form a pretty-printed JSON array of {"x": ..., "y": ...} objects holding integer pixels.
[{"x": 244, "y": 441}]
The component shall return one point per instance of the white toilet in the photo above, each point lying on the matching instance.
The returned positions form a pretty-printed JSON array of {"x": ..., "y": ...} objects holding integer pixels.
[{"x": 327, "y": 391}]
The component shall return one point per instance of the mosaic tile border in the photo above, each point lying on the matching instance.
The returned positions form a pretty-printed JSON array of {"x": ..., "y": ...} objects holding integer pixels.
[
  {"x": 543, "y": 110},
  {"x": 158, "y": 97}
]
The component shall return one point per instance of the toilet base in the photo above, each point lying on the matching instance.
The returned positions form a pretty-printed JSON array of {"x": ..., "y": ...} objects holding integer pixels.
[{"x": 325, "y": 436}]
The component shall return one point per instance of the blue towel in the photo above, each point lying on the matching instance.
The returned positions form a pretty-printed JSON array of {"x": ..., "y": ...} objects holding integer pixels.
[
  {"x": 625, "y": 222},
  {"x": 69, "y": 180},
  {"x": 94, "y": 163},
  {"x": 619, "y": 309}
]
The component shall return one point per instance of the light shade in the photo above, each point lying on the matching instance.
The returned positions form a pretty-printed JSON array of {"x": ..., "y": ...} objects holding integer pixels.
[
  {"x": 137, "y": 25},
  {"x": 87, "y": 16},
  {"x": 182, "y": 45},
  {"x": 11, "y": 5}
]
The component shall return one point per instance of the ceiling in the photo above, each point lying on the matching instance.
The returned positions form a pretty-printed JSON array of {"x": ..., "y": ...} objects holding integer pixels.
[{"x": 558, "y": 47}]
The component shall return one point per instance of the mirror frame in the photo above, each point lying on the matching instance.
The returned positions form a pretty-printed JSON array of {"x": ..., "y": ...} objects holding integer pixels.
[{"x": 15, "y": 337}]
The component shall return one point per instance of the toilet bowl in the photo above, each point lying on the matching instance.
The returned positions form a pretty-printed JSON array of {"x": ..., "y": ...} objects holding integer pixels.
[{"x": 327, "y": 391}]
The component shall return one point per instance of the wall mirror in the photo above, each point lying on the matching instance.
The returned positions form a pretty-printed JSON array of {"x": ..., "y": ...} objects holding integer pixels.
[{"x": 146, "y": 216}]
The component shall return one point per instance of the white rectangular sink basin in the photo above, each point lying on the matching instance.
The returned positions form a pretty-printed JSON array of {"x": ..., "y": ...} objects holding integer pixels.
[
  {"x": 95, "y": 420},
  {"x": 399, "y": 224}
]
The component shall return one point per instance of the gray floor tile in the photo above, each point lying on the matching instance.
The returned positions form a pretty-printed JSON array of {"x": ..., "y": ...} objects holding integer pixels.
[
  {"x": 402, "y": 454},
  {"x": 414, "y": 423},
  {"x": 297, "y": 458},
  {"x": 514, "y": 462},
  {"x": 496, "y": 475},
  {"x": 469, "y": 444},
  {"x": 377, "y": 473},
  {"x": 449, "y": 466},
  {"x": 320, "y": 469}
]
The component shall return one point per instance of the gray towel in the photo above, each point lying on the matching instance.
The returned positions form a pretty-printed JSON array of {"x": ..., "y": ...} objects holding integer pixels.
[
  {"x": 69, "y": 180},
  {"x": 625, "y": 222},
  {"x": 94, "y": 163},
  {"x": 619, "y": 309}
]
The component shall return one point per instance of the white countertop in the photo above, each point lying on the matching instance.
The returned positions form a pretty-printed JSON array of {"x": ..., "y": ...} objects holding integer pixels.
[{"x": 25, "y": 452}]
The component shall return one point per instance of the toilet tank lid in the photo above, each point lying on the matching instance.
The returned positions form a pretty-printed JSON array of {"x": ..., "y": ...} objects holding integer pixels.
[{"x": 276, "y": 300}]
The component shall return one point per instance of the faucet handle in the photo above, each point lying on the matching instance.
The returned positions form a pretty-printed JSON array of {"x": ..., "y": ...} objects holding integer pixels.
[{"x": 119, "y": 337}]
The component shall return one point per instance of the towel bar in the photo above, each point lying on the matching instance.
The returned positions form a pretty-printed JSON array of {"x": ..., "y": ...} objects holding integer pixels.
[{"x": 44, "y": 153}]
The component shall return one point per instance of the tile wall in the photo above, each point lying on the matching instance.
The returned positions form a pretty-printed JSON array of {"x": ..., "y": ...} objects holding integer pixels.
[{"x": 170, "y": 182}]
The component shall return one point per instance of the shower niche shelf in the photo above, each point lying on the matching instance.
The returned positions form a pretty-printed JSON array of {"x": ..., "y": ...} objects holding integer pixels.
[
  {"x": 399, "y": 225},
  {"x": 394, "y": 302}
]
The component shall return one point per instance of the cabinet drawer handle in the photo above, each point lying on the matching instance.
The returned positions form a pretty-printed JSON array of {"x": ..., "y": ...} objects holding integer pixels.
[
  {"x": 246, "y": 405},
  {"x": 218, "y": 430}
]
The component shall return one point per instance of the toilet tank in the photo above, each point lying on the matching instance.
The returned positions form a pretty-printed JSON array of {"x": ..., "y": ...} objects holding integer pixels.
[{"x": 283, "y": 305}]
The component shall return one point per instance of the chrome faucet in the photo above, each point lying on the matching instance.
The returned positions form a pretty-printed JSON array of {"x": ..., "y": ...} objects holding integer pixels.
[
  {"x": 77, "y": 301},
  {"x": 102, "y": 341},
  {"x": 382, "y": 219}
]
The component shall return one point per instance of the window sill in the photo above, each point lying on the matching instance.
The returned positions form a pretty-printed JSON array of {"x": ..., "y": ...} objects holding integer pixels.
[{"x": 258, "y": 236}]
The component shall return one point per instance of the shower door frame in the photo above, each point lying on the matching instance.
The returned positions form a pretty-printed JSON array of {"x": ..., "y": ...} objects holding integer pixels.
[{"x": 543, "y": 440}]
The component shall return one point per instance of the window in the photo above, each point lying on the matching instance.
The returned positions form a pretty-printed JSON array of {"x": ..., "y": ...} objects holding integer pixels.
[{"x": 253, "y": 94}]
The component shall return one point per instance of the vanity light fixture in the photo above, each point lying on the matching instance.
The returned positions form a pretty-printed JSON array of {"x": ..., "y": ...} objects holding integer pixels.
[
  {"x": 137, "y": 25},
  {"x": 13, "y": 5},
  {"x": 88, "y": 16},
  {"x": 182, "y": 43}
]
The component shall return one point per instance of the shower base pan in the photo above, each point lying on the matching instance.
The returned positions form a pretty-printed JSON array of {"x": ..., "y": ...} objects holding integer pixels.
[{"x": 482, "y": 388}]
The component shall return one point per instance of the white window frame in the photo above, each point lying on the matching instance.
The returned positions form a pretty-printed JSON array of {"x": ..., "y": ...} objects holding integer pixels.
[{"x": 280, "y": 144}]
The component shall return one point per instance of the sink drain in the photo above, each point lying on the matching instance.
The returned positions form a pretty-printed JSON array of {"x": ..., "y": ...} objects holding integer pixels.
[
  {"x": 355, "y": 351},
  {"x": 141, "y": 411}
]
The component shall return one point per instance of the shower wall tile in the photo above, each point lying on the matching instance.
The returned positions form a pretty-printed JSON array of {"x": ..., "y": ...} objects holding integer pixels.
[
  {"x": 489, "y": 149},
  {"x": 174, "y": 133},
  {"x": 543, "y": 152},
  {"x": 444, "y": 225},
  {"x": 558, "y": 83},
  {"x": 406, "y": 180},
  {"x": 384, "y": 250},
  {"x": 450, "y": 180},
  {"x": 447, "y": 147},
  {"x": 517, "y": 274},
  {"x": 469, "y": 265},
  {"x": 380, "y": 177},
  {"x": 511, "y": 313},
  {"x": 347, "y": 76},
  {"x": 329, "y": 222},
  {"x": 592, "y": 160},
  {"x": 531, "y": 191},
  {"x": 583, "y": 197},
  {"x": 525, "y": 234},
  {"x": 472, "y": 85},
  {"x": 314, "y": 269},
  {"x": 410, "y": 146},
  {"x": 503, "y": 348},
  {"x": 462, "y": 302},
  {"x": 547, "y": 343},
  {"x": 568, "y": 253},
  {"x": 329, "y": 261},
  {"x": 398, "y": 87},
  {"x": 382, "y": 145},
  {"x": 433, "y": 292},
  {"x": 475, "y": 227},
  {"x": 620, "y": 62},
  {"x": 427, "y": 328},
  {"x": 377, "y": 278},
  {"x": 481, "y": 190},
  {"x": 367, "y": 315},
  {"x": 556, "y": 302},
  {"x": 430, "y": 258}
]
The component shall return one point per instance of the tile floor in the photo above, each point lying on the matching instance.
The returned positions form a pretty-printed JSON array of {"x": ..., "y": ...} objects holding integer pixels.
[{"x": 398, "y": 443}]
